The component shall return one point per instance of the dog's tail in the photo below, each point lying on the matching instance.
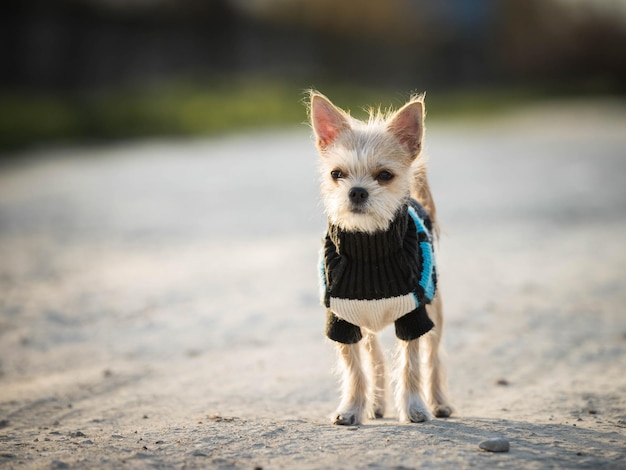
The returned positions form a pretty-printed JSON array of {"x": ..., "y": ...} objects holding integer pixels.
[{"x": 421, "y": 192}]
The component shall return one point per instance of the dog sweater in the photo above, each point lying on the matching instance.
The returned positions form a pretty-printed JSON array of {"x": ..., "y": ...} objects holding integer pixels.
[{"x": 373, "y": 279}]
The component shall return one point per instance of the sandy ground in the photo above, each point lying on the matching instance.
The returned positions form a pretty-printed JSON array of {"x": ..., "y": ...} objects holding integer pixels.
[{"x": 158, "y": 303}]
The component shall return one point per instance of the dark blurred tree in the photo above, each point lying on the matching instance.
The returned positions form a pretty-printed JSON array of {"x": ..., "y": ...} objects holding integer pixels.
[
  {"x": 85, "y": 44},
  {"x": 554, "y": 40},
  {"x": 76, "y": 44}
]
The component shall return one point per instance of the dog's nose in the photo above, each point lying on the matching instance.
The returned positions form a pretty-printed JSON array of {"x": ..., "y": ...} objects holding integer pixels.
[{"x": 358, "y": 195}]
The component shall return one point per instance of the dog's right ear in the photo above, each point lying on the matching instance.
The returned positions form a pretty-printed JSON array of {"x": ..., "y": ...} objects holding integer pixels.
[{"x": 327, "y": 121}]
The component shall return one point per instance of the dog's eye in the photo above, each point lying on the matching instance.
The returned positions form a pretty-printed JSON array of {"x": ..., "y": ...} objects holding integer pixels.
[
  {"x": 384, "y": 176},
  {"x": 336, "y": 174}
]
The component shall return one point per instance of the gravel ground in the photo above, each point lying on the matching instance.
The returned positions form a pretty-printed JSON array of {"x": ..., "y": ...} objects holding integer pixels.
[{"x": 159, "y": 308}]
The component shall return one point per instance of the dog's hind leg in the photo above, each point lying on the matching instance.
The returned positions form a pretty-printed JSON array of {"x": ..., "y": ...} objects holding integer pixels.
[
  {"x": 354, "y": 386},
  {"x": 411, "y": 407},
  {"x": 433, "y": 367},
  {"x": 377, "y": 366}
]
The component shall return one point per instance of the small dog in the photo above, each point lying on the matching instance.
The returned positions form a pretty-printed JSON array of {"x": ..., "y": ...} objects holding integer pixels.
[{"x": 377, "y": 264}]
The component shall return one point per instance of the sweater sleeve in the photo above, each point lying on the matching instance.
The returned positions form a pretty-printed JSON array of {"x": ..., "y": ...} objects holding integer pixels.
[
  {"x": 341, "y": 331},
  {"x": 337, "y": 329},
  {"x": 414, "y": 324}
]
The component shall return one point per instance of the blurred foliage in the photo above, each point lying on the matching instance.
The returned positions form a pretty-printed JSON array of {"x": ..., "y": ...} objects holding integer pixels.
[
  {"x": 188, "y": 108},
  {"x": 174, "y": 109}
]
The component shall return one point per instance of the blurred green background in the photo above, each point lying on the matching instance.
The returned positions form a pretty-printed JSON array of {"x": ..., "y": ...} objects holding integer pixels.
[{"x": 97, "y": 70}]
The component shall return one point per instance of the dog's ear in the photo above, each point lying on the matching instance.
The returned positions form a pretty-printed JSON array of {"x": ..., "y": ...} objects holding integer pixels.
[
  {"x": 407, "y": 124},
  {"x": 327, "y": 121}
]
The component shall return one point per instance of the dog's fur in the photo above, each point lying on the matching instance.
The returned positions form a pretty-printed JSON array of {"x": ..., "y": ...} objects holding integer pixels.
[{"x": 360, "y": 151}]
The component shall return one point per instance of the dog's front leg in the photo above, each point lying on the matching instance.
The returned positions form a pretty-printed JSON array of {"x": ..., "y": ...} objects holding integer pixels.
[
  {"x": 377, "y": 366},
  {"x": 354, "y": 386},
  {"x": 411, "y": 407}
]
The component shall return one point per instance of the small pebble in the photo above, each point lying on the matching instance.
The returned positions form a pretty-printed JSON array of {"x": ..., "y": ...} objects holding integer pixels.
[
  {"x": 496, "y": 444},
  {"x": 503, "y": 382}
]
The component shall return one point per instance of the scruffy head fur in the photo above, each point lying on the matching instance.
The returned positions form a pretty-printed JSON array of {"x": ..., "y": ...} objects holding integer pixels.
[{"x": 369, "y": 169}]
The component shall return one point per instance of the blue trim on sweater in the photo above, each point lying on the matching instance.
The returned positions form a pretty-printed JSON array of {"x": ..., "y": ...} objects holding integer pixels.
[
  {"x": 419, "y": 223},
  {"x": 427, "y": 281}
]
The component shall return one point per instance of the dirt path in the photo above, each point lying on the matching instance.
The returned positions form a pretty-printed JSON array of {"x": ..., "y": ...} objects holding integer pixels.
[{"x": 158, "y": 303}]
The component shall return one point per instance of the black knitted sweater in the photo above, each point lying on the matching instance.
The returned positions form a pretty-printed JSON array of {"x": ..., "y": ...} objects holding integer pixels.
[{"x": 373, "y": 279}]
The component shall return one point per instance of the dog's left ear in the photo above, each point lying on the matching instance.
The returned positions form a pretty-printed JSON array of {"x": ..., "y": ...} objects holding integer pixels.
[{"x": 408, "y": 126}]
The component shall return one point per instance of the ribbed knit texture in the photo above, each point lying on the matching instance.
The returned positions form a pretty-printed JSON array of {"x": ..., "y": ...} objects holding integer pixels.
[{"x": 374, "y": 279}]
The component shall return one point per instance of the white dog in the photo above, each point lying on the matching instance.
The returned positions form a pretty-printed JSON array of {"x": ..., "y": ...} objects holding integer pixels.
[{"x": 377, "y": 264}]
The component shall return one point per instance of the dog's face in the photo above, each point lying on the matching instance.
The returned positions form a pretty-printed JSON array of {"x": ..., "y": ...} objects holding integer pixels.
[{"x": 366, "y": 168}]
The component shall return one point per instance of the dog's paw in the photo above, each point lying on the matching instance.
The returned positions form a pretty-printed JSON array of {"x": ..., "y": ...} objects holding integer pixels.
[
  {"x": 377, "y": 410},
  {"x": 347, "y": 419},
  {"x": 417, "y": 415},
  {"x": 376, "y": 413},
  {"x": 442, "y": 411},
  {"x": 414, "y": 410}
]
